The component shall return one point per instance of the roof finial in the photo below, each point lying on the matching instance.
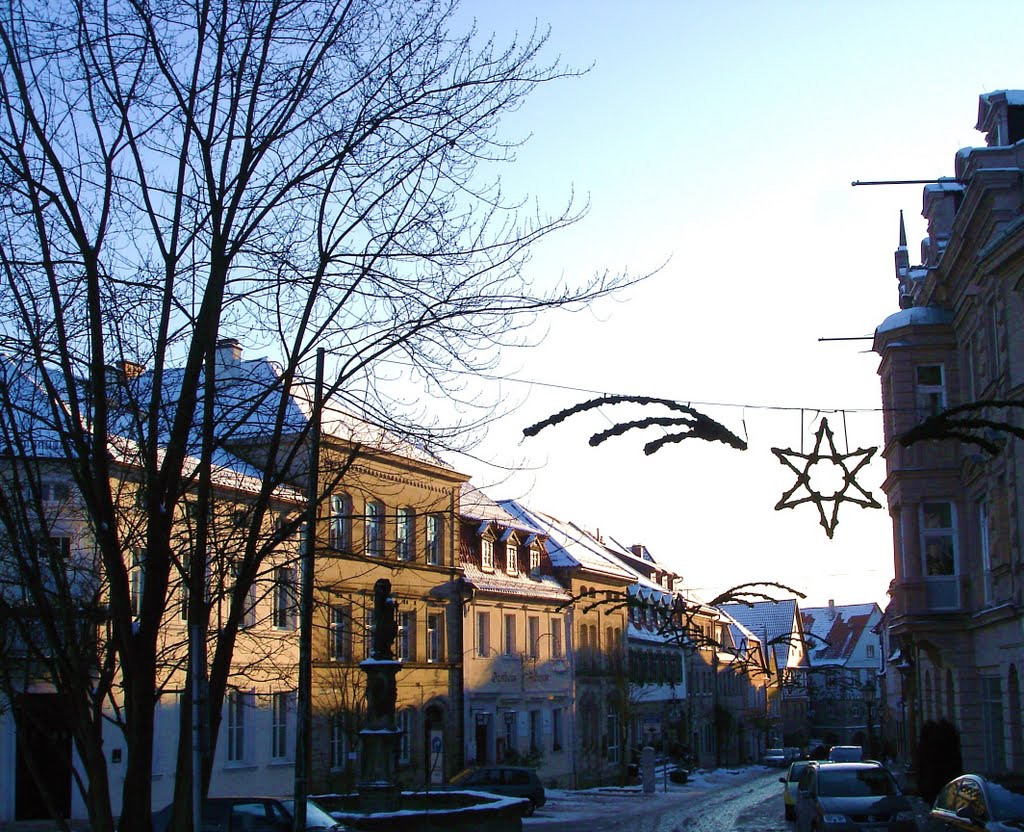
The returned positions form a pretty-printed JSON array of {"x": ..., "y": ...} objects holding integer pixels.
[{"x": 903, "y": 231}]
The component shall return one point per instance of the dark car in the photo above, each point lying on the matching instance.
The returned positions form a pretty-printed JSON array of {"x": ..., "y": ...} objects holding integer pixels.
[
  {"x": 975, "y": 802},
  {"x": 508, "y": 781},
  {"x": 851, "y": 797},
  {"x": 252, "y": 814}
]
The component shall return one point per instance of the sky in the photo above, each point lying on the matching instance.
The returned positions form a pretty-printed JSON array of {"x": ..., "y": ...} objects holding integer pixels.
[{"x": 716, "y": 144}]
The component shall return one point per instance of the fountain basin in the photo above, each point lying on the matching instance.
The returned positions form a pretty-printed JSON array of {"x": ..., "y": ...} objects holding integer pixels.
[{"x": 440, "y": 811}]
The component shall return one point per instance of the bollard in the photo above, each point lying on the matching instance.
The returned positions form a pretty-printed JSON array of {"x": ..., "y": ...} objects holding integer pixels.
[{"x": 647, "y": 769}]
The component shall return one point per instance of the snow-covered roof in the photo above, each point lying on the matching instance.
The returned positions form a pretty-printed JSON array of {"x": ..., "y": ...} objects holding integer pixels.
[
  {"x": 34, "y": 428},
  {"x": 833, "y": 632},
  {"x": 915, "y": 316},
  {"x": 772, "y": 621},
  {"x": 568, "y": 546},
  {"x": 501, "y": 583}
]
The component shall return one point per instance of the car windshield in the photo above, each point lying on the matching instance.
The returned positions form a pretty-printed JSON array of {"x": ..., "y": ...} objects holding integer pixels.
[
  {"x": 316, "y": 818},
  {"x": 857, "y": 782},
  {"x": 775, "y": 752},
  {"x": 1007, "y": 800}
]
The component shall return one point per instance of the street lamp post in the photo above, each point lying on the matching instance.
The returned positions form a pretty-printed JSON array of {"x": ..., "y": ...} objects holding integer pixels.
[{"x": 868, "y": 692}]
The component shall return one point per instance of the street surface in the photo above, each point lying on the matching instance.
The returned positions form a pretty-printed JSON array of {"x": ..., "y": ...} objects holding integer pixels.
[{"x": 741, "y": 800}]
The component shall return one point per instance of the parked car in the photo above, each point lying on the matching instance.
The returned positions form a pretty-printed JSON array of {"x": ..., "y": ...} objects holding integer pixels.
[
  {"x": 775, "y": 757},
  {"x": 846, "y": 754},
  {"x": 252, "y": 814},
  {"x": 851, "y": 797},
  {"x": 509, "y": 781},
  {"x": 975, "y": 802},
  {"x": 789, "y": 783}
]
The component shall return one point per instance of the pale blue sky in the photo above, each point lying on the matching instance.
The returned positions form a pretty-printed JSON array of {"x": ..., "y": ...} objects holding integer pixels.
[{"x": 723, "y": 138}]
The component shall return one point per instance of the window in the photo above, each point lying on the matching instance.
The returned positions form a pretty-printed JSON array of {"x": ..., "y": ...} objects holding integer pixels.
[
  {"x": 136, "y": 577},
  {"x": 986, "y": 551},
  {"x": 511, "y": 558},
  {"x": 367, "y": 633},
  {"x": 992, "y": 723},
  {"x": 487, "y": 554},
  {"x": 279, "y": 728},
  {"x": 405, "y": 534},
  {"x": 237, "y": 703},
  {"x": 339, "y": 647},
  {"x": 60, "y": 546},
  {"x": 483, "y": 634},
  {"x": 435, "y": 539},
  {"x": 53, "y": 492},
  {"x": 248, "y": 618},
  {"x": 284, "y": 598},
  {"x": 510, "y": 635},
  {"x": 406, "y": 637},
  {"x": 556, "y": 638},
  {"x": 870, "y": 648},
  {"x": 435, "y": 632},
  {"x": 931, "y": 390},
  {"x": 533, "y": 633},
  {"x": 535, "y": 732},
  {"x": 341, "y": 522},
  {"x": 534, "y": 558},
  {"x": 339, "y": 741},
  {"x": 556, "y": 729},
  {"x": 938, "y": 545},
  {"x": 613, "y": 737},
  {"x": 405, "y": 726},
  {"x": 374, "y": 529}
]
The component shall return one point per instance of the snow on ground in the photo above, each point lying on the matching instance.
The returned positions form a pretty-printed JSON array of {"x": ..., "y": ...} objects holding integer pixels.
[{"x": 565, "y": 805}]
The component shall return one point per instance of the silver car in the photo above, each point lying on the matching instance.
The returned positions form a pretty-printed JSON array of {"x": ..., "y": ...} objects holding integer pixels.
[{"x": 851, "y": 797}]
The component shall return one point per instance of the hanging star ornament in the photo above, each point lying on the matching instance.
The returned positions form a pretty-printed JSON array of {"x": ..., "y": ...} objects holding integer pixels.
[{"x": 847, "y": 493}]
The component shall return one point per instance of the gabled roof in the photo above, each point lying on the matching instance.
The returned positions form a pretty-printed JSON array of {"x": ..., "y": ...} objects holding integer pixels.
[
  {"x": 776, "y": 622},
  {"x": 834, "y": 631}
]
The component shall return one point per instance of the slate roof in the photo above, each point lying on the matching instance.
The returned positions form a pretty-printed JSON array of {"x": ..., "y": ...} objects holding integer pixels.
[
  {"x": 770, "y": 621},
  {"x": 834, "y": 632},
  {"x": 568, "y": 546},
  {"x": 32, "y": 414}
]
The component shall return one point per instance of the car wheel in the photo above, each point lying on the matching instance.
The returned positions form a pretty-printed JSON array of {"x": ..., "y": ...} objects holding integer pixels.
[
  {"x": 790, "y": 813},
  {"x": 530, "y": 808}
]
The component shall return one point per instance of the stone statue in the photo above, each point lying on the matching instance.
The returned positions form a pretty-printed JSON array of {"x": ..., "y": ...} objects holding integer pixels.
[{"x": 385, "y": 627}]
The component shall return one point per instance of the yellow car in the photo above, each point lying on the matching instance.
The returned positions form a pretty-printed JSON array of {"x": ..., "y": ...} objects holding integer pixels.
[{"x": 789, "y": 782}]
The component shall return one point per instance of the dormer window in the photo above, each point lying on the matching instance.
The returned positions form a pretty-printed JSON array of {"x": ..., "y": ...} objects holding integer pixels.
[
  {"x": 535, "y": 557},
  {"x": 512, "y": 558},
  {"x": 487, "y": 554}
]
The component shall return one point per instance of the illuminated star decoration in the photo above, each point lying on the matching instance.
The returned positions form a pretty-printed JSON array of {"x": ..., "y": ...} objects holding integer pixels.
[{"x": 861, "y": 458}]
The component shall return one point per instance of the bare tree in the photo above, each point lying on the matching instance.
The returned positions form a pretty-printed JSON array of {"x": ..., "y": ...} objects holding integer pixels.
[{"x": 292, "y": 174}]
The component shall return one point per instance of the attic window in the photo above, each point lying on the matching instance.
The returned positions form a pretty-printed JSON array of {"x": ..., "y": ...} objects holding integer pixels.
[
  {"x": 511, "y": 559},
  {"x": 534, "y": 558},
  {"x": 487, "y": 555}
]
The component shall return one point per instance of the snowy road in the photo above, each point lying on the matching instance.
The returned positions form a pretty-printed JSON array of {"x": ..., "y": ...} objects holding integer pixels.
[{"x": 739, "y": 800}]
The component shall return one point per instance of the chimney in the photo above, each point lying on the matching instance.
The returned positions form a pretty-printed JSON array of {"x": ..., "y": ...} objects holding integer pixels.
[
  {"x": 228, "y": 359},
  {"x": 831, "y": 610}
]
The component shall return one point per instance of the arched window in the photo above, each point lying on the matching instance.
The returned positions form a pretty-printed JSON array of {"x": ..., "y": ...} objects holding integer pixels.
[{"x": 1016, "y": 733}]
